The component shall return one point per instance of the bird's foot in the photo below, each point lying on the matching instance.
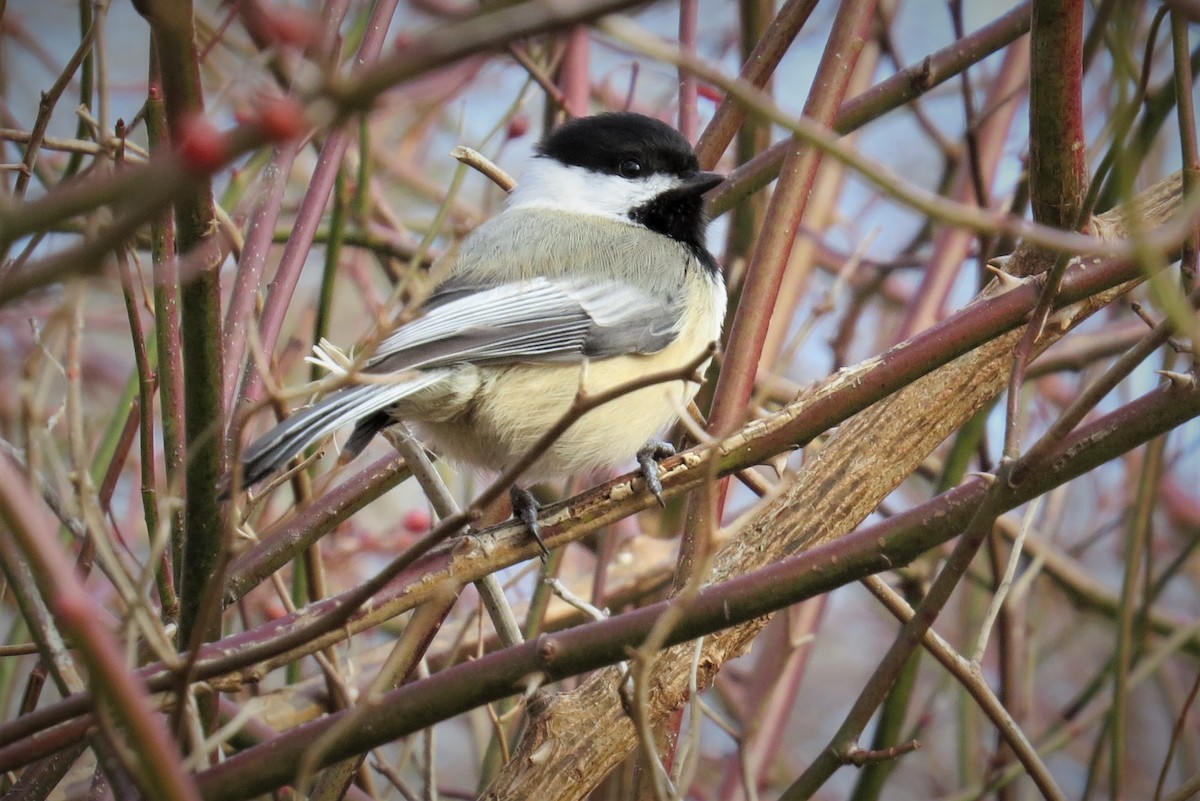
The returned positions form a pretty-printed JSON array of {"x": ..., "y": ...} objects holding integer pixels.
[
  {"x": 525, "y": 508},
  {"x": 648, "y": 458}
]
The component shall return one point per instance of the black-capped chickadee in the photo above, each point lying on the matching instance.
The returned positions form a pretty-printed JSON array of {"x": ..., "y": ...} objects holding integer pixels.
[{"x": 595, "y": 271}]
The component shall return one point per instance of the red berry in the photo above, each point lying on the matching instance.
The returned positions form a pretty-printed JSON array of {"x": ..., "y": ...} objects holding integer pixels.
[
  {"x": 202, "y": 147},
  {"x": 417, "y": 521},
  {"x": 518, "y": 126},
  {"x": 243, "y": 114},
  {"x": 291, "y": 26},
  {"x": 281, "y": 118}
]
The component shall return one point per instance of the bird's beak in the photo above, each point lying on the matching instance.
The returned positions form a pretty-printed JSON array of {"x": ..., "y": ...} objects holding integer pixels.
[{"x": 701, "y": 182}]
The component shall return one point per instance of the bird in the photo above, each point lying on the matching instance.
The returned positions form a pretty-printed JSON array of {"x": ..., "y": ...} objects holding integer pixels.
[{"x": 594, "y": 273}]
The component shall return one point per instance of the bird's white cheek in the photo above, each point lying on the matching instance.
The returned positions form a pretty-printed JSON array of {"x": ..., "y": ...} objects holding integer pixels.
[{"x": 551, "y": 185}]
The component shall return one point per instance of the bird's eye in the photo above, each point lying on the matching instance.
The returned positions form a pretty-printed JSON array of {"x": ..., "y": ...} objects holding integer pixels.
[{"x": 630, "y": 168}]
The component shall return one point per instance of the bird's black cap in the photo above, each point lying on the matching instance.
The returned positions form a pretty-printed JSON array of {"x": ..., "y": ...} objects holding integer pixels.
[
  {"x": 634, "y": 146},
  {"x": 605, "y": 142}
]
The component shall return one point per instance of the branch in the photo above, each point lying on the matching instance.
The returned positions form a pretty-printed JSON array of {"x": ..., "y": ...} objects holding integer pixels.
[
  {"x": 160, "y": 773},
  {"x": 887, "y": 95},
  {"x": 830, "y": 496},
  {"x": 764, "y": 274},
  {"x": 733, "y": 601},
  {"x": 171, "y": 25},
  {"x": 1057, "y": 146},
  {"x": 841, "y": 396}
]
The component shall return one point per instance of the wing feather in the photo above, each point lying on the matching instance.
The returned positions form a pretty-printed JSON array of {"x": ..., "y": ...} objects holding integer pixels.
[
  {"x": 277, "y": 447},
  {"x": 541, "y": 319},
  {"x": 538, "y": 320}
]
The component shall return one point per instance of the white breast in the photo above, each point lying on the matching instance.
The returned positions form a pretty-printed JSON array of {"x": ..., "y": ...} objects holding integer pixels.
[{"x": 516, "y": 404}]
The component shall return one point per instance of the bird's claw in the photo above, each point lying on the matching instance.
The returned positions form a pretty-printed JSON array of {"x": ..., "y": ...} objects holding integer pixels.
[
  {"x": 648, "y": 458},
  {"x": 525, "y": 508}
]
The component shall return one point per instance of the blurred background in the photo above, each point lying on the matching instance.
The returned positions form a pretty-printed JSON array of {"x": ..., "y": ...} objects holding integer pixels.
[{"x": 356, "y": 208}]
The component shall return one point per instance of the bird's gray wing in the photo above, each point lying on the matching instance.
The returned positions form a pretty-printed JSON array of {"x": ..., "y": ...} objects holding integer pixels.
[
  {"x": 537, "y": 320},
  {"x": 274, "y": 449}
]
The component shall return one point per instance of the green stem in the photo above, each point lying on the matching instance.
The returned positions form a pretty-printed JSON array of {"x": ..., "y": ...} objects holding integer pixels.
[
  {"x": 167, "y": 349},
  {"x": 1139, "y": 533},
  {"x": 172, "y": 25}
]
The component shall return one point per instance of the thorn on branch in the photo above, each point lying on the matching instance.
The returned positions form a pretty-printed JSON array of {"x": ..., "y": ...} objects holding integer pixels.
[
  {"x": 779, "y": 463},
  {"x": 859, "y": 757},
  {"x": 989, "y": 478},
  {"x": 1005, "y": 281},
  {"x": 1185, "y": 381},
  {"x": 923, "y": 79}
]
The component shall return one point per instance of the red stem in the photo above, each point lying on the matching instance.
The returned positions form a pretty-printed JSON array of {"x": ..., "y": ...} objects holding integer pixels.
[
  {"x": 765, "y": 272},
  {"x": 953, "y": 244},
  {"x": 312, "y": 208},
  {"x": 1057, "y": 147}
]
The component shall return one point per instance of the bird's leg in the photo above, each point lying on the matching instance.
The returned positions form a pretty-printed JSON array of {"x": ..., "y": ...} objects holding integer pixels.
[
  {"x": 648, "y": 458},
  {"x": 525, "y": 508}
]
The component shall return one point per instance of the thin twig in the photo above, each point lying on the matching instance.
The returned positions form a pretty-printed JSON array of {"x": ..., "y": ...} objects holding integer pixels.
[
  {"x": 1095, "y": 442},
  {"x": 967, "y": 673},
  {"x": 490, "y": 591},
  {"x": 1163, "y": 238},
  {"x": 1001, "y": 593},
  {"x": 481, "y": 163}
]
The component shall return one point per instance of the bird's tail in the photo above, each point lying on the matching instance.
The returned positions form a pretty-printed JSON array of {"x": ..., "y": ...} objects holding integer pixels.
[{"x": 363, "y": 403}]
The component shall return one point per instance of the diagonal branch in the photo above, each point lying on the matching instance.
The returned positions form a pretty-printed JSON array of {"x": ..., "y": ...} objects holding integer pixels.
[
  {"x": 830, "y": 496},
  {"x": 733, "y": 601}
]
